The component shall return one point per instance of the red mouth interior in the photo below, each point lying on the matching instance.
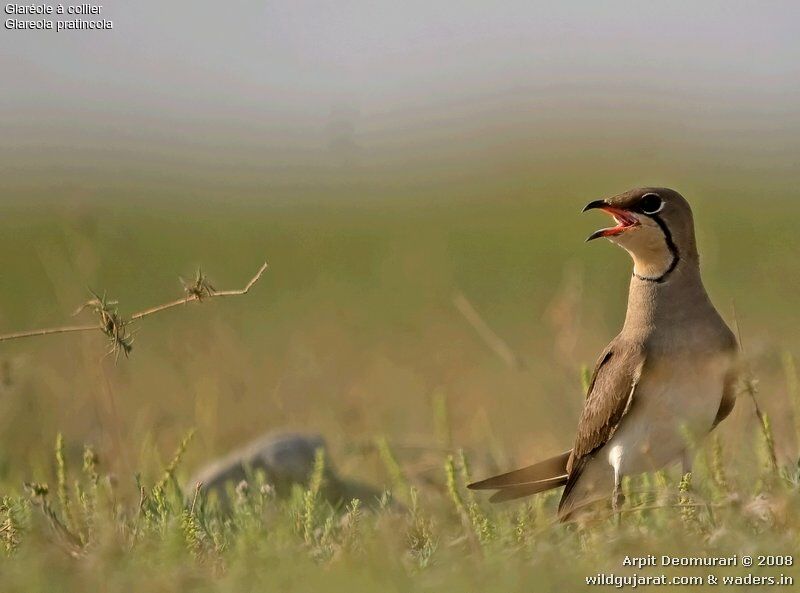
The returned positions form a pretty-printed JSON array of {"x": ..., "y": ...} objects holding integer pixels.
[{"x": 625, "y": 220}]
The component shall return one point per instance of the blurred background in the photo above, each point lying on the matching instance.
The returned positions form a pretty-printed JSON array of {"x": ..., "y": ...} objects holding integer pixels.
[{"x": 384, "y": 158}]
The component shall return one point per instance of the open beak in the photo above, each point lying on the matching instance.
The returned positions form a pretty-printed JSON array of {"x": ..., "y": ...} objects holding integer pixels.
[{"x": 625, "y": 220}]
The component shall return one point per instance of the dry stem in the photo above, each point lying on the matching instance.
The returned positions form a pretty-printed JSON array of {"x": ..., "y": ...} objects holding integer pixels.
[
  {"x": 495, "y": 343},
  {"x": 115, "y": 327},
  {"x": 751, "y": 388},
  {"x": 198, "y": 295}
]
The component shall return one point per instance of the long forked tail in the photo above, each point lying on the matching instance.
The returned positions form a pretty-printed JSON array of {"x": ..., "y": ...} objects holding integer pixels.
[{"x": 542, "y": 476}]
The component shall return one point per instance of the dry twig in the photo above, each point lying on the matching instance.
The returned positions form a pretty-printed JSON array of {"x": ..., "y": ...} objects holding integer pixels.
[
  {"x": 495, "y": 343},
  {"x": 115, "y": 327}
]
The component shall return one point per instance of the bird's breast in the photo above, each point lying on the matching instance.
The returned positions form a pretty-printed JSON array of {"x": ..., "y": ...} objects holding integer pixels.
[{"x": 674, "y": 407}]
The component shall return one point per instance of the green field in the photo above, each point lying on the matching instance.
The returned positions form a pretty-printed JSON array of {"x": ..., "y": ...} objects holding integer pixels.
[{"x": 353, "y": 333}]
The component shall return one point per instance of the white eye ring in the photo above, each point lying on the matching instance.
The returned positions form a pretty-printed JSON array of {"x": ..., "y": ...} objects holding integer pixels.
[{"x": 656, "y": 210}]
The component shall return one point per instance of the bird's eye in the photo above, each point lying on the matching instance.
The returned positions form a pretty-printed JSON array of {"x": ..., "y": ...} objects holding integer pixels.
[{"x": 651, "y": 204}]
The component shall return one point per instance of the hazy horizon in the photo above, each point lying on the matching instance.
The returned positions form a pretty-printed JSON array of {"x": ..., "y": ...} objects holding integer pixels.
[{"x": 261, "y": 96}]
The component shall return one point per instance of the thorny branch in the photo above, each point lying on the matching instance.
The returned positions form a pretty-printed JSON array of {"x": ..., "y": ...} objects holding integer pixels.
[{"x": 116, "y": 327}]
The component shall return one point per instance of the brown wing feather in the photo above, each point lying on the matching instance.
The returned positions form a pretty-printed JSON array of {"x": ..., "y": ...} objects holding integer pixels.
[
  {"x": 523, "y": 490},
  {"x": 610, "y": 397},
  {"x": 548, "y": 469}
]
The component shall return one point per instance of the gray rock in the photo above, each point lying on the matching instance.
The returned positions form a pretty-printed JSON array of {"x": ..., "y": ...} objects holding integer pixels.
[{"x": 286, "y": 459}]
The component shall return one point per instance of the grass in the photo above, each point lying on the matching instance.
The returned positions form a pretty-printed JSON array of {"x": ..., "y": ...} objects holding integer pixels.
[
  {"x": 82, "y": 537},
  {"x": 353, "y": 333}
]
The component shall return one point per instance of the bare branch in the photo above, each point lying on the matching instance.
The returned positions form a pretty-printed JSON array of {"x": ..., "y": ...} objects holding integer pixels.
[
  {"x": 48, "y": 331},
  {"x": 192, "y": 296},
  {"x": 114, "y": 326}
]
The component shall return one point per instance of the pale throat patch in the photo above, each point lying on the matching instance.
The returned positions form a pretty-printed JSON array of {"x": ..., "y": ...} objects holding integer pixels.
[{"x": 647, "y": 244}]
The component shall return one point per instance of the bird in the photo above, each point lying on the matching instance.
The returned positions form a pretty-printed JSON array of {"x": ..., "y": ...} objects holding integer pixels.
[{"x": 663, "y": 383}]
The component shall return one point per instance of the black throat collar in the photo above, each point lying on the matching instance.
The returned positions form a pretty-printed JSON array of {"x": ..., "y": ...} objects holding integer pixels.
[{"x": 673, "y": 250}]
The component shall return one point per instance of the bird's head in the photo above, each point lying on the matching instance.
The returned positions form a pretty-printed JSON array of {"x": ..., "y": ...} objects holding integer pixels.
[{"x": 655, "y": 225}]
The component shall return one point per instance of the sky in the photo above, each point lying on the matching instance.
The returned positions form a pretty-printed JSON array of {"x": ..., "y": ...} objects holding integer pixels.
[{"x": 289, "y": 77}]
